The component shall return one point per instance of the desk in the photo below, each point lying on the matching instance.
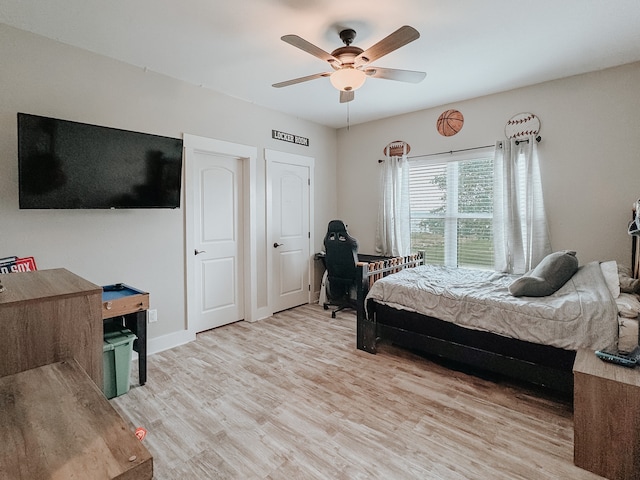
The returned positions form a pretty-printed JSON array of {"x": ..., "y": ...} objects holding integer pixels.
[
  {"x": 366, "y": 258},
  {"x": 362, "y": 257},
  {"x": 123, "y": 301}
]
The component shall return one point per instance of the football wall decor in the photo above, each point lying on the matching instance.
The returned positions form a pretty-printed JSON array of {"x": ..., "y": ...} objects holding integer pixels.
[{"x": 397, "y": 148}]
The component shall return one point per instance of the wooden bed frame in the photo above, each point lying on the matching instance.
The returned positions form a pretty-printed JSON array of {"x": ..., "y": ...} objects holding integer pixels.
[{"x": 542, "y": 365}]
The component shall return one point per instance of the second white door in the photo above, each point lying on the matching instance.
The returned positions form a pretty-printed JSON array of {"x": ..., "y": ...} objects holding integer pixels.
[{"x": 290, "y": 187}]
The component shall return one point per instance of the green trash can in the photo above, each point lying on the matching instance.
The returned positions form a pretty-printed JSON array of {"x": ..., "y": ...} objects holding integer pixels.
[{"x": 116, "y": 358}]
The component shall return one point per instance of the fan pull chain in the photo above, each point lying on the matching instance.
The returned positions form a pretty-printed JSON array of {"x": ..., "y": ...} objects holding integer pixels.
[{"x": 348, "y": 119}]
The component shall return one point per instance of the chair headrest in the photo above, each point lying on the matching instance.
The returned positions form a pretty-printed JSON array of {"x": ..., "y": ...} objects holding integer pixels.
[{"x": 336, "y": 226}]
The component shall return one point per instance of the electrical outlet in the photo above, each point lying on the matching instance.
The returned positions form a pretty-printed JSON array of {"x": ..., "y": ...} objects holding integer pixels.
[{"x": 152, "y": 315}]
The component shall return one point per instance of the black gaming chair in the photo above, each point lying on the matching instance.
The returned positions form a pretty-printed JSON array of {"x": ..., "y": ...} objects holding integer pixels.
[{"x": 341, "y": 258}]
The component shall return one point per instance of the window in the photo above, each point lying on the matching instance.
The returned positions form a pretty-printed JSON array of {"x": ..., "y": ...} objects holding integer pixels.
[{"x": 451, "y": 209}]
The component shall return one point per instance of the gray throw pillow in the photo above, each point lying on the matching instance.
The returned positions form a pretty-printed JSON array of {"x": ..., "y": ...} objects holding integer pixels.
[{"x": 551, "y": 273}]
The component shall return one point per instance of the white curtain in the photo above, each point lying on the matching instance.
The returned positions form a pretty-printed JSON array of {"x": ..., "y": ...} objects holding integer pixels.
[
  {"x": 521, "y": 236},
  {"x": 393, "y": 233}
]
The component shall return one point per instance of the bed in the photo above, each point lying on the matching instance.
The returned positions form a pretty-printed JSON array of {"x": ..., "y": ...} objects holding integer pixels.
[{"x": 470, "y": 317}]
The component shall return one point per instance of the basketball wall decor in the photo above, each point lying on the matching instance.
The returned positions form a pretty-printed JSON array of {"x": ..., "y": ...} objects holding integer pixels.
[
  {"x": 522, "y": 125},
  {"x": 449, "y": 123}
]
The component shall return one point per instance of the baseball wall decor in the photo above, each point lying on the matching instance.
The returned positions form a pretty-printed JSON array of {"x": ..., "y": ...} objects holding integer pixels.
[
  {"x": 522, "y": 125},
  {"x": 450, "y": 122}
]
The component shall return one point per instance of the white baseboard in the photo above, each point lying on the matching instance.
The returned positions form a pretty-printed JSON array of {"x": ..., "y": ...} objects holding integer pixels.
[
  {"x": 264, "y": 312},
  {"x": 168, "y": 341},
  {"x": 172, "y": 340}
]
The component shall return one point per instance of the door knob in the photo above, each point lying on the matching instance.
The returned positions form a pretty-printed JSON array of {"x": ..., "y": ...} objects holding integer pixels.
[
  {"x": 198, "y": 252},
  {"x": 276, "y": 245}
]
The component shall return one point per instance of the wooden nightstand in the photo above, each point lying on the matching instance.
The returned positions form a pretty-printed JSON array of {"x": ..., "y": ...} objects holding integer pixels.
[{"x": 606, "y": 414}]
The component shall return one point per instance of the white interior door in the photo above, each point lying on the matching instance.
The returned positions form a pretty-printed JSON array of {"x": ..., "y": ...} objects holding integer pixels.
[
  {"x": 216, "y": 241},
  {"x": 290, "y": 231}
]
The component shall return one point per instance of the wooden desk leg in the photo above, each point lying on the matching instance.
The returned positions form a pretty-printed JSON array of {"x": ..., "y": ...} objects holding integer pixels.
[{"x": 137, "y": 323}]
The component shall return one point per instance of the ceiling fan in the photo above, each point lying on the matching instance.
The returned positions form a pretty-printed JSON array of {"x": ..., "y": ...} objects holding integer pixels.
[{"x": 351, "y": 64}]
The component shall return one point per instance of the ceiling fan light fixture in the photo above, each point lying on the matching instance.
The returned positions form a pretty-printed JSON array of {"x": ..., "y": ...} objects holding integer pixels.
[{"x": 348, "y": 79}]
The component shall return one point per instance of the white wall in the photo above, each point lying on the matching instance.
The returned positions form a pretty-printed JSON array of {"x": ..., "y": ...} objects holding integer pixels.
[
  {"x": 143, "y": 248},
  {"x": 590, "y": 162},
  {"x": 590, "y": 156}
]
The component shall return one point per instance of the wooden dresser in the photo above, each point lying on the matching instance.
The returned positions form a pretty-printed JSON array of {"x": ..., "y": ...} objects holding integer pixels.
[
  {"x": 56, "y": 422},
  {"x": 47, "y": 316}
]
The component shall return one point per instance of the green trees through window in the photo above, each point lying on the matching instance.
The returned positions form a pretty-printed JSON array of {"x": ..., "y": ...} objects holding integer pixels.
[{"x": 451, "y": 208}]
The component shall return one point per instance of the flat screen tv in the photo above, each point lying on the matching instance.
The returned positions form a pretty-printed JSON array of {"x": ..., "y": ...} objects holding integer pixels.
[{"x": 71, "y": 165}]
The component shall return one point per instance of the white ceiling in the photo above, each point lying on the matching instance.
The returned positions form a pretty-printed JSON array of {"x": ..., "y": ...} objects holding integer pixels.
[{"x": 468, "y": 48}]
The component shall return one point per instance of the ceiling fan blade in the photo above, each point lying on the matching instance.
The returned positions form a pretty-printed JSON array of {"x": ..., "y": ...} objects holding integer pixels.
[
  {"x": 347, "y": 96},
  {"x": 300, "y": 80},
  {"x": 308, "y": 47},
  {"x": 409, "y": 76},
  {"x": 397, "y": 39}
]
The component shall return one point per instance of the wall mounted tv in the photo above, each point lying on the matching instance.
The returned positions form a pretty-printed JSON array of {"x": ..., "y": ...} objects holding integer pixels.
[{"x": 71, "y": 165}]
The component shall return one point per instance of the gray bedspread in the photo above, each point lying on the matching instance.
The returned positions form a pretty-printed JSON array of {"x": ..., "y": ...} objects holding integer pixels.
[{"x": 581, "y": 314}]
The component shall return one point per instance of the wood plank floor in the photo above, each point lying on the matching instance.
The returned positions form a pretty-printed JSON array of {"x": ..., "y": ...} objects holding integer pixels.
[{"x": 290, "y": 397}]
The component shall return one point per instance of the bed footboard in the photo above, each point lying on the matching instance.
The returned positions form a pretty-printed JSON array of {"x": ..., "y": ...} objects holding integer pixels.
[{"x": 368, "y": 273}]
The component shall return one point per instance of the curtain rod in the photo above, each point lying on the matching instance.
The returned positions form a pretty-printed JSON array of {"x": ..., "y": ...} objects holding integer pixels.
[{"x": 518, "y": 142}]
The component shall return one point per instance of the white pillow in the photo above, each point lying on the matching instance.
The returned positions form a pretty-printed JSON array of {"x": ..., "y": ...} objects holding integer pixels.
[
  {"x": 628, "y": 305},
  {"x": 610, "y": 272},
  {"x": 628, "y": 334}
]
